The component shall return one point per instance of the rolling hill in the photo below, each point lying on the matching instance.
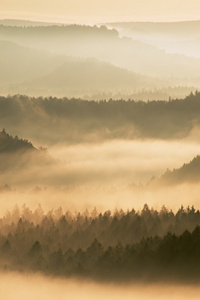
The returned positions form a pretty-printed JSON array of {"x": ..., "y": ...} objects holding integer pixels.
[
  {"x": 18, "y": 63},
  {"x": 91, "y": 74},
  {"x": 187, "y": 173},
  {"x": 104, "y": 45}
]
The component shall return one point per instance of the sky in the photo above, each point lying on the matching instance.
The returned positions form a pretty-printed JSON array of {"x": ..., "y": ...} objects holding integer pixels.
[{"x": 96, "y": 11}]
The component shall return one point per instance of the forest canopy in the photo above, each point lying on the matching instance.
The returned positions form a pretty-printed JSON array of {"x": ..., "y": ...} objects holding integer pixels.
[
  {"x": 105, "y": 246},
  {"x": 81, "y": 120}
]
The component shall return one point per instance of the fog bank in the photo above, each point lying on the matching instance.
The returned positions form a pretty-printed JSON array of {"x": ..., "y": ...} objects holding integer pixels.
[{"x": 31, "y": 287}]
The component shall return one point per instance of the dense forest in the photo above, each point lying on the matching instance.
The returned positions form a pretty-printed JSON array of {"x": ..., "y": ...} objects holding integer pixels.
[
  {"x": 76, "y": 120},
  {"x": 106, "y": 246}
]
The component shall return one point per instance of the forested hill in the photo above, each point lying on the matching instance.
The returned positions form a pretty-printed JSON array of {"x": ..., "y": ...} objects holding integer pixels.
[
  {"x": 9, "y": 144},
  {"x": 189, "y": 172},
  {"x": 75, "y": 120},
  {"x": 19, "y": 154}
]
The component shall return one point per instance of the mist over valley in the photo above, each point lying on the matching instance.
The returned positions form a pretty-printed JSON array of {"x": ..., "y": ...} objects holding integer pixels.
[{"x": 99, "y": 160}]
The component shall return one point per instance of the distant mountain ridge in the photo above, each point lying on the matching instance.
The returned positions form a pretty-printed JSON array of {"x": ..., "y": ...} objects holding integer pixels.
[
  {"x": 105, "y": 45},
  {"x": 26, "y": 70},
  {"x": 24, "y": 23}
]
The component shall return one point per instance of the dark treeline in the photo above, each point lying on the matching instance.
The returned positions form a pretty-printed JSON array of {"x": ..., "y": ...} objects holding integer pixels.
[
  {"x": 132, "y": 245},
  {"x": 11, "y": 144},
  {"x": 76, "y": 120}
]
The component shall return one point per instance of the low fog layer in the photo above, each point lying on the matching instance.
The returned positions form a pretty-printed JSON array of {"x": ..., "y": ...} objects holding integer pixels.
[
  {"x": 122, "y": 162},
  {"x": 114, "y": 163},
  {"x": 103, "y": 198},
  {"x": 30, "y": 287},
  {"x": 106, "y": 175}
]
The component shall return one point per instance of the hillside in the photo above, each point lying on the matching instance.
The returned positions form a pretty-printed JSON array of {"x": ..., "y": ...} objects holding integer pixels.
[
  {"x": 8, "y": 144},
  {"x": 187, "y": 173},
  {"x": 91, "y": 75}
]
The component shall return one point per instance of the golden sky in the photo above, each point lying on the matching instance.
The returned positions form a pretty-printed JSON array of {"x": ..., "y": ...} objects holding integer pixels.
[{"x": 93, "y": 11}]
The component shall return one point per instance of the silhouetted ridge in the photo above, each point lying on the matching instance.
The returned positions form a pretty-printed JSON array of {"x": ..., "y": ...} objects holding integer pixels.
[
  {"x": 12, "y": 144},
  {"x": 19, "y": 155}
]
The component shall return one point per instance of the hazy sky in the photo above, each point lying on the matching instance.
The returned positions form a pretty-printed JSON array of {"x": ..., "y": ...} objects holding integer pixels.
[{"x": 93, "y": 11}]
